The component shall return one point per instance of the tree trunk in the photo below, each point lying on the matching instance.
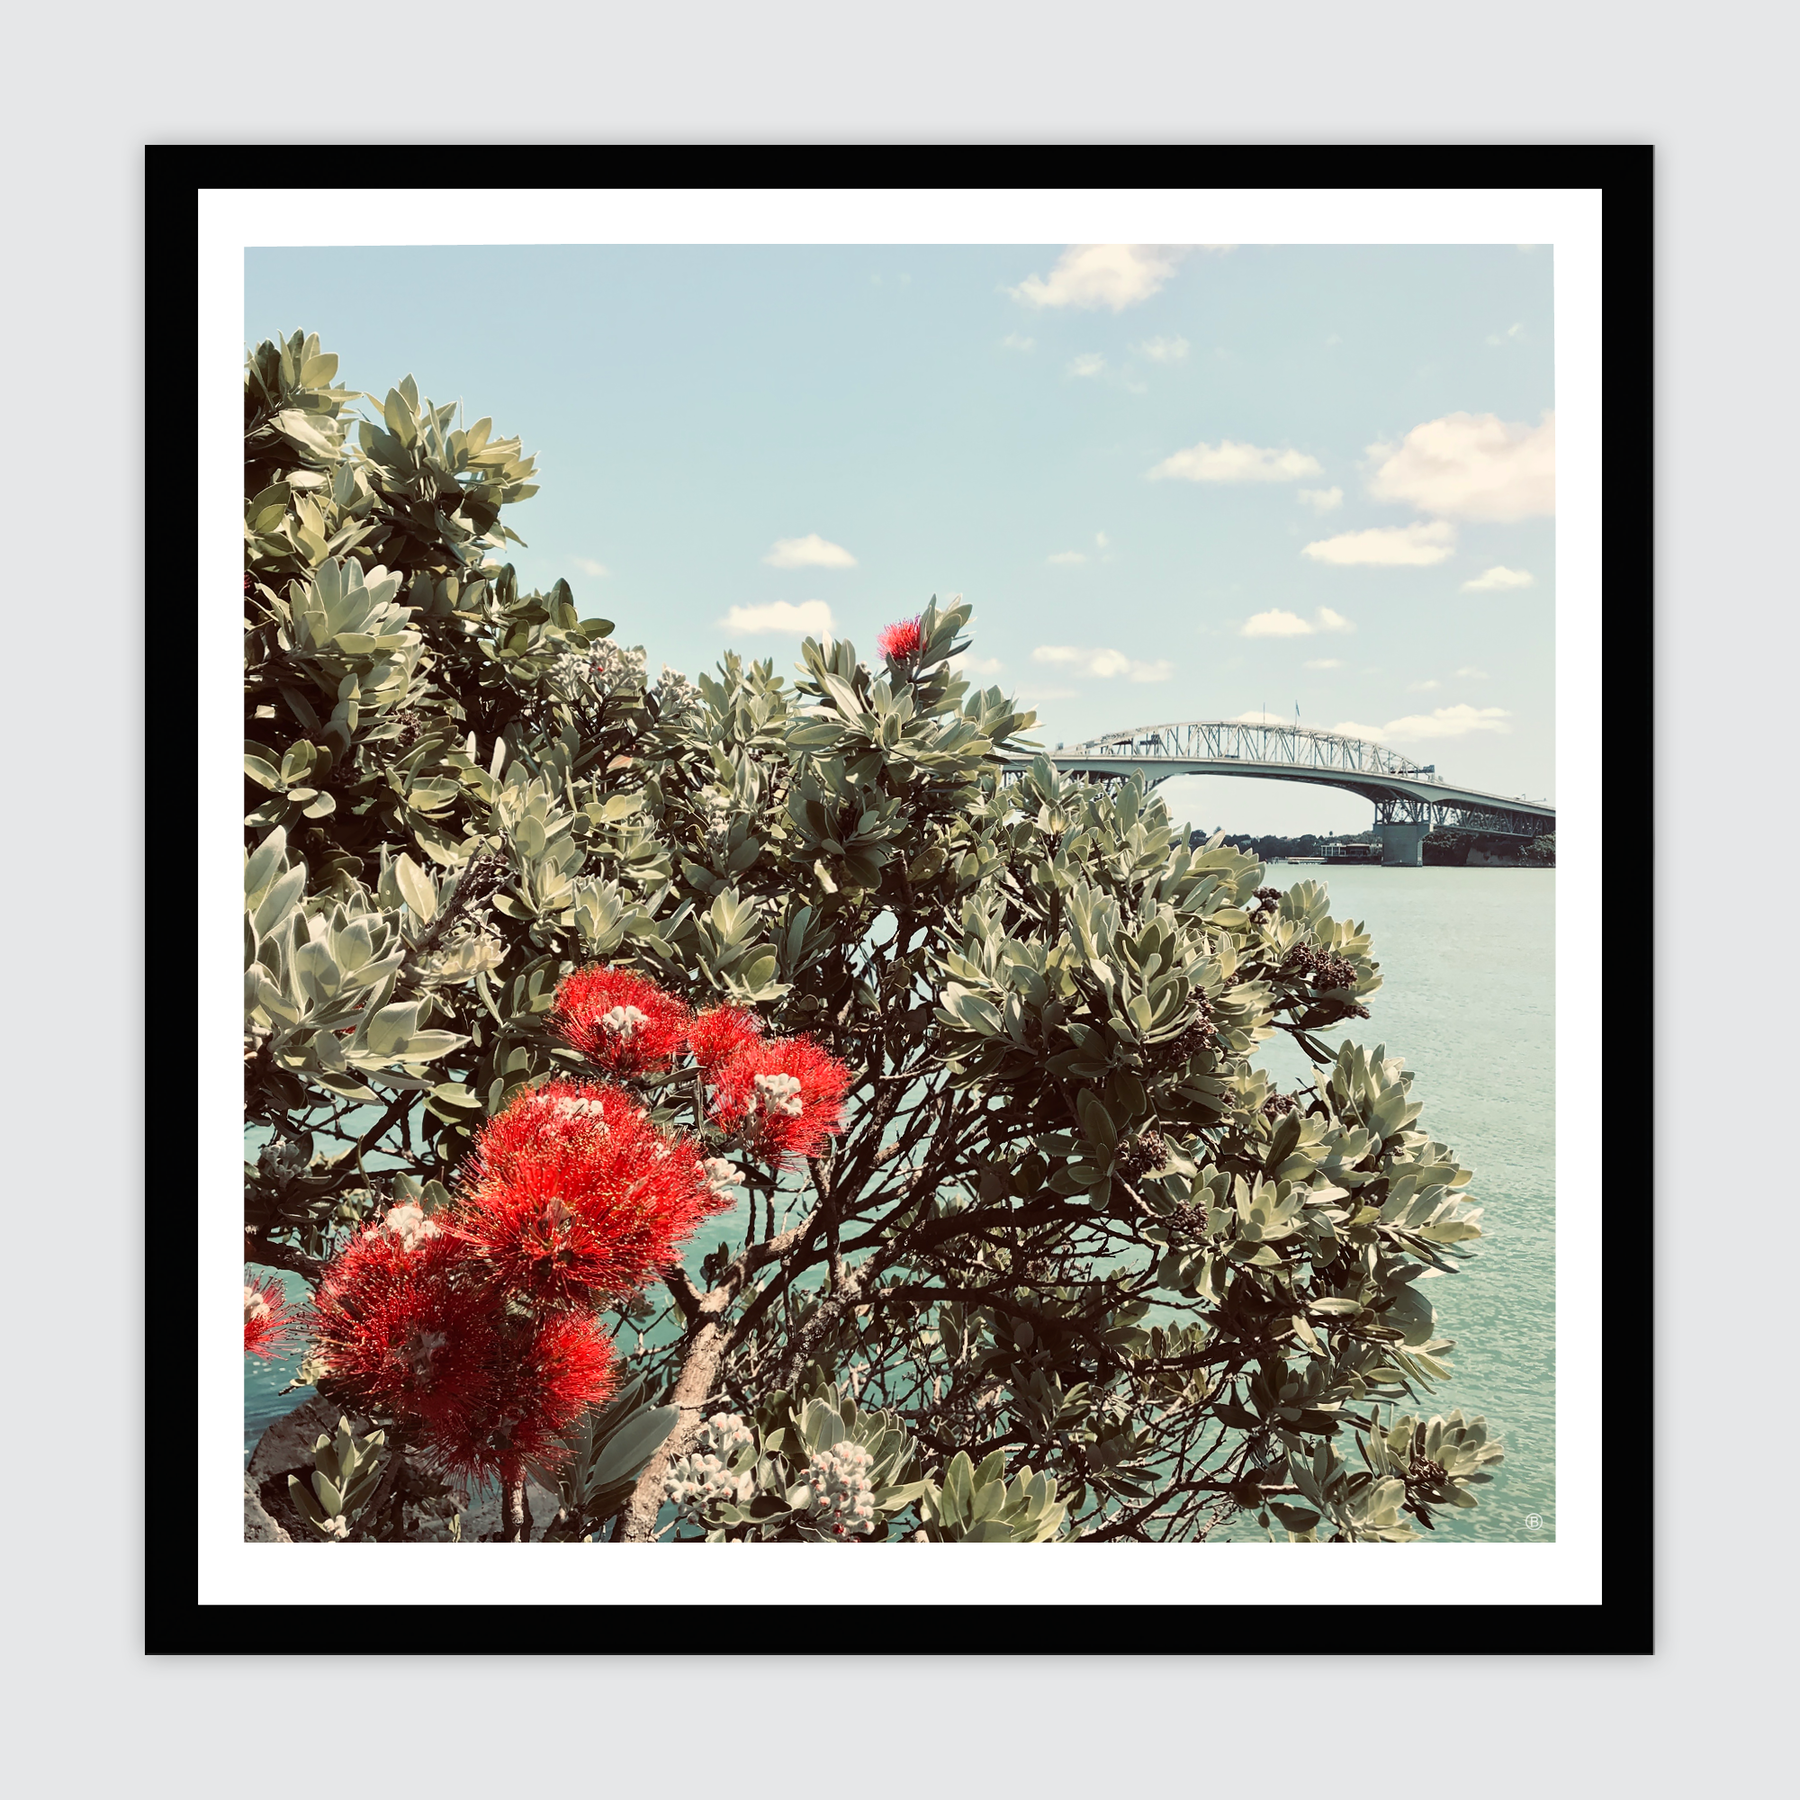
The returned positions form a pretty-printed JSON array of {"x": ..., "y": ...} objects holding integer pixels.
[
  {"x": 515, "y": 1509},
  {"x": 699, "y": 1372},
  {"x": 709, "y": 1337}
]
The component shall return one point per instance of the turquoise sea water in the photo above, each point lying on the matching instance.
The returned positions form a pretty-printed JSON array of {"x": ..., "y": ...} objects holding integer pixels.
[{"x": 1468, "y": 1001}]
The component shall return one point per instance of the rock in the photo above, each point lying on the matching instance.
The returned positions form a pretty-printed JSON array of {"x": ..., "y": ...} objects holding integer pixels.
[
  {"x": 259, "y": 1528},
  {"x": 286, "y": 1449}
]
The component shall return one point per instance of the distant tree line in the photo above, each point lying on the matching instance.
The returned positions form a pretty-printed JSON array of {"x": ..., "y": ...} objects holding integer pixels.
[
  {"x": 1453, "y": 849},
  {"x": 1443, "y": 849},
  {"x": 1268, "y": 847}
]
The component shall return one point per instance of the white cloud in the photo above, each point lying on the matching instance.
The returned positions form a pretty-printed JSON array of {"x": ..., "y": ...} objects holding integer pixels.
[
  {"x": 1090, "y": 363},
  {"x": 1275, "y": 624},
  {"x": 1102, "y": 539},
  {"x": 1278, "y": 623},
  {"x": 1013, "y": 341},
  {"x": 809, "y": 552},
  {"x": 1424, "y": 687},
  {"x": 1325, "y": 662},
  {"x": 1257, "y": 717},
  {"x": 1165, "y": 349},
  {"x": 1333, "y": 339},
  {"x": 1497, "y": 578},
  {"x": 976, "y": 665},
  {"x": 1321, "y": 500},
  {"x": 588, "y": 566},
  {"x": 1508, "y": 335},
  {"x": 1067, "y": 556},
  {"x": 1417, "y": 728},
  {"x": 1388, "y": 546},
  {"x": 1472, "y": 674},
  {"x": 1471, "y": 466},
  {"x": 1236, "y": 462},
  {"x": 811, "y": 617},
  {"x": 1091, "y": 275},
  {"x": 1102, "y": 664}
]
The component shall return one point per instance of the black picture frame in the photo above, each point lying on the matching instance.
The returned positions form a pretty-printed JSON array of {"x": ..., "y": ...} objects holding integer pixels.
[{"x": 1623, "y": 1621}]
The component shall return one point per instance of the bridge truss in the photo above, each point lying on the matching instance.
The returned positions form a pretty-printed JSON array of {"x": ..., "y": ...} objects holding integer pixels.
[{"x": 1404, "y": 793}]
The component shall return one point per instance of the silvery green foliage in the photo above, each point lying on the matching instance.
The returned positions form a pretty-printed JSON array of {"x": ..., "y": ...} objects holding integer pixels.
[
  {"x": 1094, "y": 1276},
  {"x": 346, "y": 1472},
  {"x": 677, "y": 699},
  {"x": 603, "y": 669},
  {"x": 976, "y": 1505}
]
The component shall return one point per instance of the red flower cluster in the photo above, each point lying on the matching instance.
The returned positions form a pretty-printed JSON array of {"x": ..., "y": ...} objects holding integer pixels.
[
  {"x": 475, "y": 1326},
  {"x": 716, "y": 1037},
  {"x": 402, "y": 1328},
  {"x": 410, "y": 1327},
  {"x": 901, "y": 641},
  {"x": 782, "y": 1096},
  {"x": 573, "y": 1190},
  {"x": 267, "y": 1320},
  {"x": 622, "y": 1023}
]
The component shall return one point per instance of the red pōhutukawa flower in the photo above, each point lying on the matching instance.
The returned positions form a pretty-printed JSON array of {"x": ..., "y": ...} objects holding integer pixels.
[
  {"x": 406, "y": 1328},
  {"x": 782, "y": 1096},
  {"x": 412, "y": 1328},
  {"x": 901, "y": 641},
  {"x": 267, "y": 1320},
  {"x": 573, "y": 1191},
  {"x": 622, "y": 1023},
  {"x": 543, "y": 1374},
  {"x": 717, "y": 1036}
]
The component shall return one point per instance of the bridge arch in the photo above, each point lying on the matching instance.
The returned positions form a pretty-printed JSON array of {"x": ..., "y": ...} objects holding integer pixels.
[{"x": 1409, "y": 798}]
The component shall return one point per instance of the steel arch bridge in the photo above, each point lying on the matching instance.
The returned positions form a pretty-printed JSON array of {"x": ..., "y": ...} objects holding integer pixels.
[{"x": 1410, "y": 798}]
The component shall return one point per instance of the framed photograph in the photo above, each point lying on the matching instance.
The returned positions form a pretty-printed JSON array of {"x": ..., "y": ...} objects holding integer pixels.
[{"x": 894, "y": 879}]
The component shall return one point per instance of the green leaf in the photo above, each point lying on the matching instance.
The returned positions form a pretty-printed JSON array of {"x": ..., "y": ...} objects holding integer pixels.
[
  {"x": 1295, "y": 1518},
  {"x": 416, "y": 888},
  {"x": 303, "y": 1501},
  {"x": 631, "y": 1446},
  {"x": 279, "y": 900},
  {"x": 390, "y": 1028},
  {"x": 1096, "y": 1122},
  {"x": 259, "y": 871}
]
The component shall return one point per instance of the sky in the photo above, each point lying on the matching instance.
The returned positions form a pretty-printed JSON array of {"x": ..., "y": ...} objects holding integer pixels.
[{"x": 1174, "y": 483}]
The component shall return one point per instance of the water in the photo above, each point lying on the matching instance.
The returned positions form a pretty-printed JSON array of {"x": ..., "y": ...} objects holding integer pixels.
[{"x": 1468, "y": 1001}]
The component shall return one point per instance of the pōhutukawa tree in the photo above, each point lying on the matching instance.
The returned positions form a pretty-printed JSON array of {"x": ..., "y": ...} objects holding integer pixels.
[{"x": 556, "y": 975}]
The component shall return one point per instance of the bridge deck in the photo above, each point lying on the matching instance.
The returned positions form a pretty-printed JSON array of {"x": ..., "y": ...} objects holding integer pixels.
[{"x": 1371, "y": 784}]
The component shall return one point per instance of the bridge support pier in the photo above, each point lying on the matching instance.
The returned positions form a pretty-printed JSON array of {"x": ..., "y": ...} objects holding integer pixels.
[{"x": 1402, "y": 844}]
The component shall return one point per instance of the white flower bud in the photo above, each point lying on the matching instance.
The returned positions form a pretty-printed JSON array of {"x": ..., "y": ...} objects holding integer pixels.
[
  {"x": 568, "y": 1107},
  {"x": 623, "y": 1022},
  {"x": 409, "y": 1223},
  {"x": 779, "y": 1094},
  {"x": 721, "y": 1176},
  {"x": 843, "y": 1493}
]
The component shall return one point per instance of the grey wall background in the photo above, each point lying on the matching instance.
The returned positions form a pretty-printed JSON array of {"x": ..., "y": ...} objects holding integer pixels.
[{"x": 90, "y": 86}]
